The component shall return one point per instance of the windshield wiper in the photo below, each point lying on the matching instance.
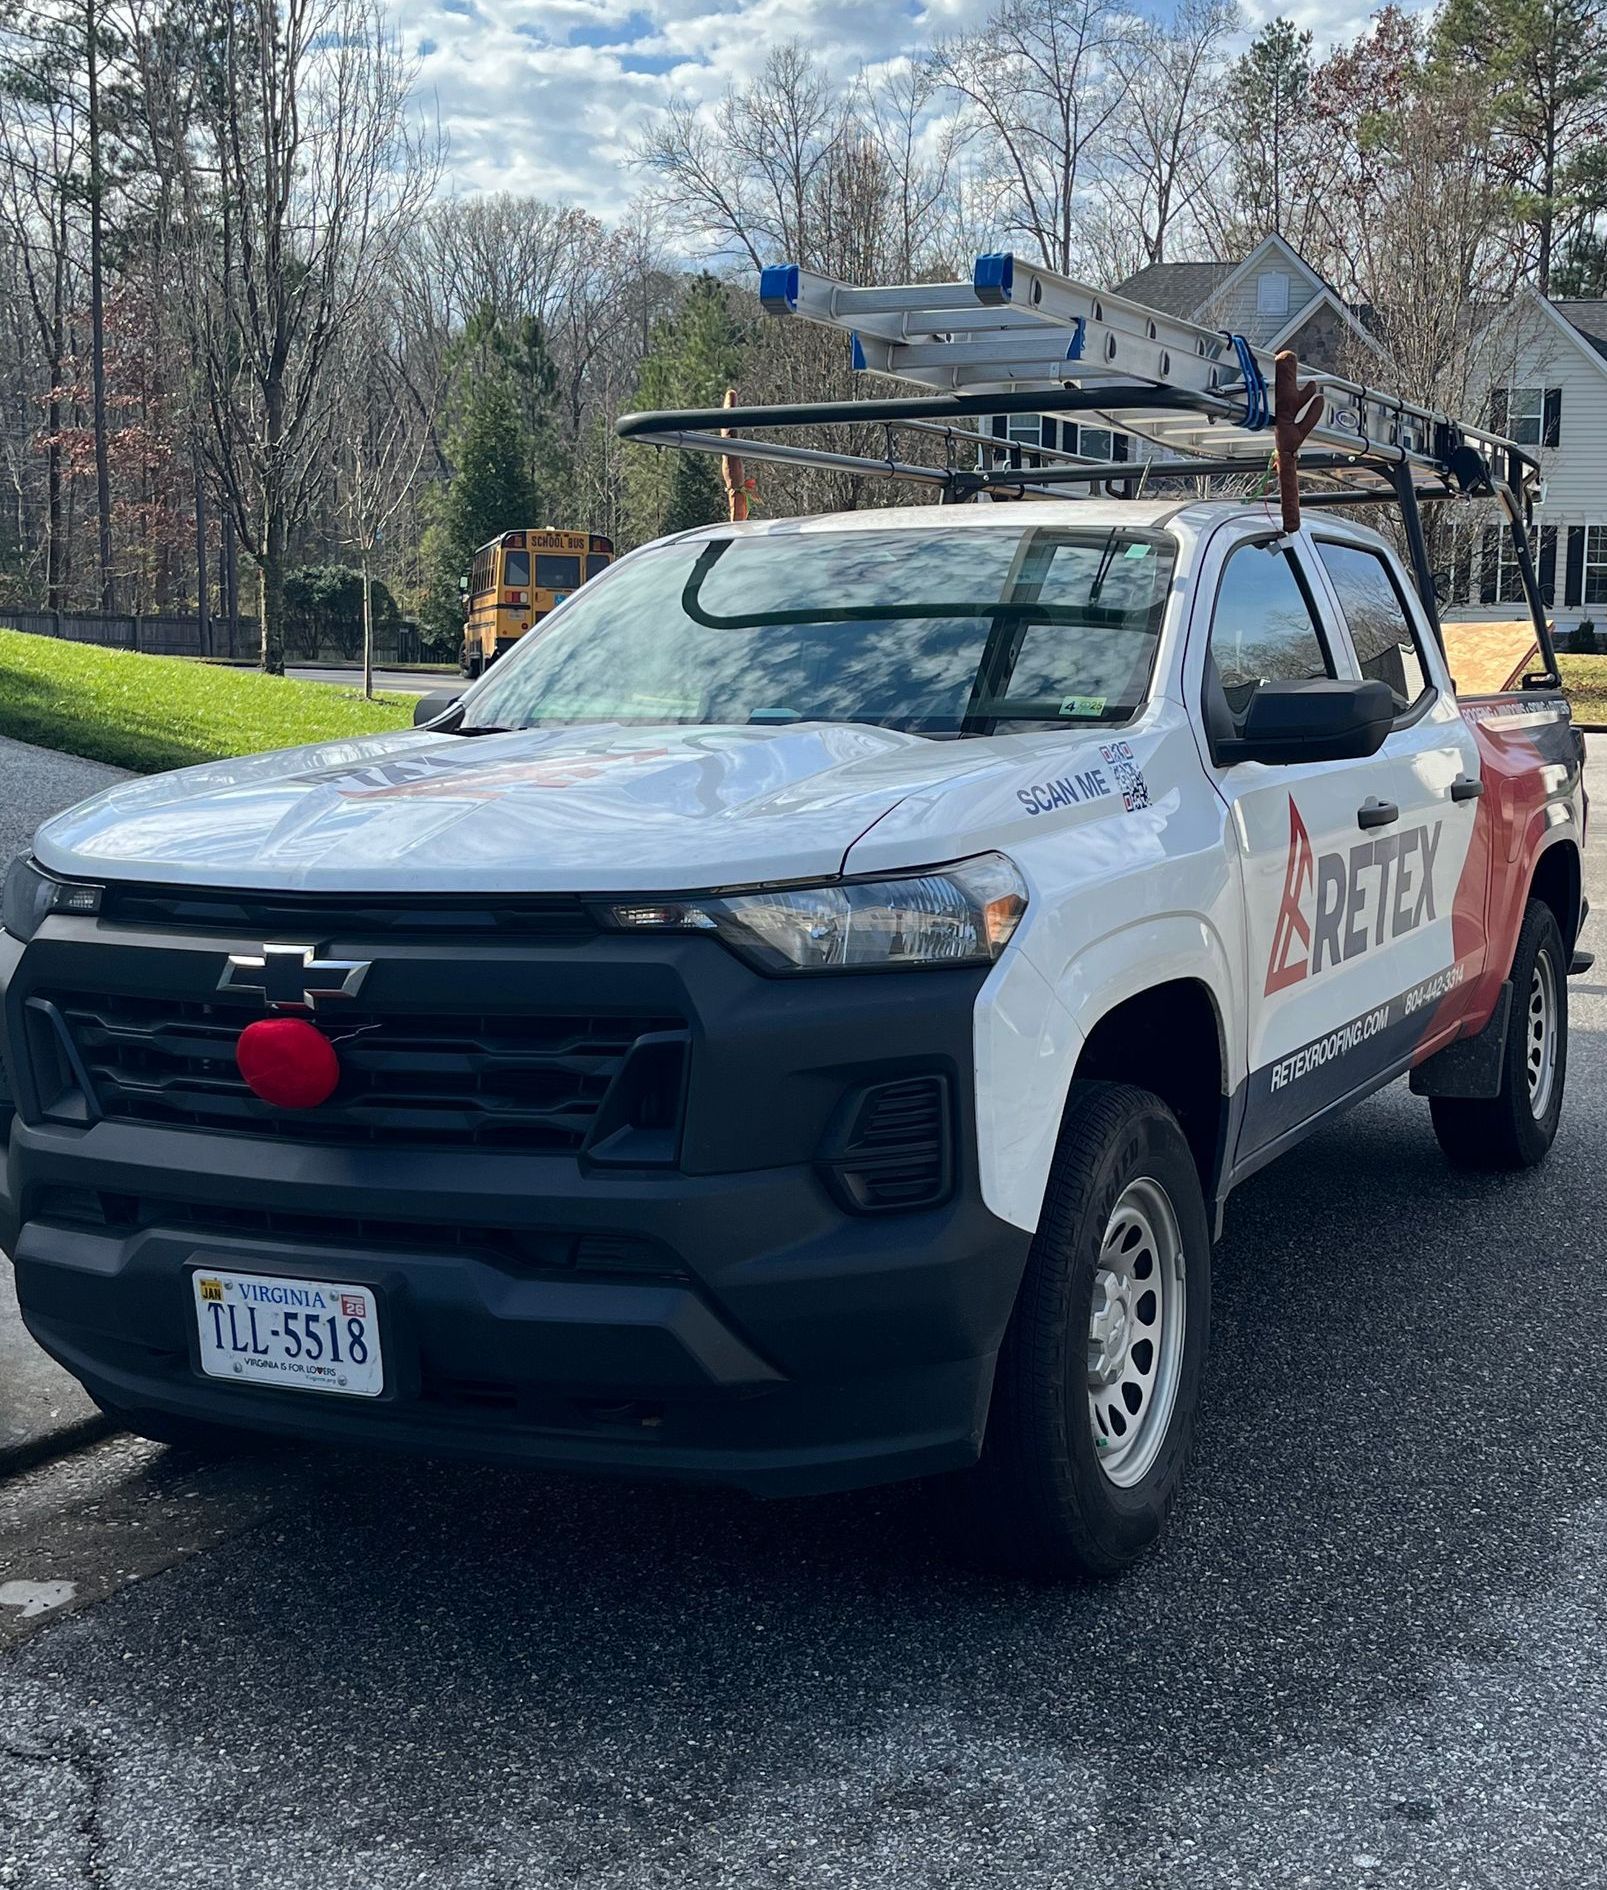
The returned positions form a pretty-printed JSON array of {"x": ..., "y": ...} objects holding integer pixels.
[{"x": 1106, "y": 559}]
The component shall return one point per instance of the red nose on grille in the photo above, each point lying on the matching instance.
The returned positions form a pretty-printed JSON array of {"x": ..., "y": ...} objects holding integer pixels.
[{"x": 287, "y": 1063}]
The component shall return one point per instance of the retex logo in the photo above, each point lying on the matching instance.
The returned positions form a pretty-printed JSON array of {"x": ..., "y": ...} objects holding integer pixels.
[{"x": 1336, "y": 906}]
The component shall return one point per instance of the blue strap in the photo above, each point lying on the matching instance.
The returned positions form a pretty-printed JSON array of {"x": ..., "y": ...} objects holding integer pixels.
[{"x": 1257, "y": 413}]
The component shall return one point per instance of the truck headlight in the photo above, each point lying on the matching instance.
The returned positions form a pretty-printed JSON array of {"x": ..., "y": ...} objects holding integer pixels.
[
  {"x": 963, "y": 914},
  {"x": 30, "y": 896}
]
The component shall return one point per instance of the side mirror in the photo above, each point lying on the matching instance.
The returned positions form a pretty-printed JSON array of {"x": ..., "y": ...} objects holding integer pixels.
[
  {"x": 1313, "y": 721},
  {"x": 463, "y": 587},
  {"x": 429, "y": 708}
]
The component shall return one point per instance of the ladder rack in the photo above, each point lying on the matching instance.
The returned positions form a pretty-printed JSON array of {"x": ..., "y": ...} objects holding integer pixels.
[{"x": 1200, "y": 403}]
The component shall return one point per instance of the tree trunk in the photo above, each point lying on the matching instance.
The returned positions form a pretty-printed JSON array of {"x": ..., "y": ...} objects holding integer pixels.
[
  {"x": 368, "y": 630},
  {"x": 97, "y": 314},
  {"x": 271, "y": 585},
  {"x": 203, "y": 601}
]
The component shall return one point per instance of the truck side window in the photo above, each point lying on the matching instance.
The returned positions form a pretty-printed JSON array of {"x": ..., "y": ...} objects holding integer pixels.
[
  {"x": 1380, "y": 625},
  {"x": 1263, "y": 628}
]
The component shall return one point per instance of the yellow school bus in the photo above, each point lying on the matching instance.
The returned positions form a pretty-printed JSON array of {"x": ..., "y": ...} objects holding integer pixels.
[{"x": 516, "y": 580}]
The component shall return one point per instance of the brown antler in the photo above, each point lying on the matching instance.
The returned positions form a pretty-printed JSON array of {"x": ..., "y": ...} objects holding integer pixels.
[
  {"x": 731, "y": 470},
  {"x": 1296, "y": 409}
]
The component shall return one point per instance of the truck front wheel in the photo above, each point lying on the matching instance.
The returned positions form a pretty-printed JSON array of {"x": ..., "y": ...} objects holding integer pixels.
[
  {"x": 1516, "y": 1127},
  {"x": 1098, "y": 1379}
]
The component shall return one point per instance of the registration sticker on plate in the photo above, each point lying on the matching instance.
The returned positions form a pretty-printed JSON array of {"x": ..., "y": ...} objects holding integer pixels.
[{"x": 303, "y": 1335}]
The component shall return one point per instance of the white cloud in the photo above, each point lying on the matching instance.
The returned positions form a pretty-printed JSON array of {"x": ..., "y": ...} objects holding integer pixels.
[{"x": 545, "y": 96}]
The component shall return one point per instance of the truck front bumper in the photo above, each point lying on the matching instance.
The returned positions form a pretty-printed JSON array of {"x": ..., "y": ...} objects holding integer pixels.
[{"x": 728, "y": 1319}]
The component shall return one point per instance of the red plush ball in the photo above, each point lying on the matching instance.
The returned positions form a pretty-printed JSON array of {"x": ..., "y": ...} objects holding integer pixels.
[{"x": 287, "y": 1063}]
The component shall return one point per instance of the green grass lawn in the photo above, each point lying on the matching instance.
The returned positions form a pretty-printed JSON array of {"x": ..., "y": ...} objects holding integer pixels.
[
  {"x": 154, "y": 712},
  {"x": 1585, "y": 680}
]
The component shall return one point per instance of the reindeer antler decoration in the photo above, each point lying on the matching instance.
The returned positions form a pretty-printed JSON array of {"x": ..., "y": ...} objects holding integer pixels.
[
  {"x": 731, "y": 470},
  {"x": 1296, "y": 409}
]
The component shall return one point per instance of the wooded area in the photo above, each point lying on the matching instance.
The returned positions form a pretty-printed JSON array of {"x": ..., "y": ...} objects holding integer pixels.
[{"x": 246, "y": 329}]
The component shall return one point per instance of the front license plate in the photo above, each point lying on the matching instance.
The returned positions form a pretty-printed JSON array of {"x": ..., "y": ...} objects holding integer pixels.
[{"x": 302, "y": 1335}]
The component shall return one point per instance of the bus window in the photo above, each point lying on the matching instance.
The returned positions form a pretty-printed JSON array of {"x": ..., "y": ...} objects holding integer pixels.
[
  {"x": 557, "y": 573},
  {"x": 598, "y": 561},
  {"x": 516, "y": 569}
]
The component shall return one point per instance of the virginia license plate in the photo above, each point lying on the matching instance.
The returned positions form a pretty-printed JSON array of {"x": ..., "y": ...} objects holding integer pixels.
[{"x": 303, "y": 1335}]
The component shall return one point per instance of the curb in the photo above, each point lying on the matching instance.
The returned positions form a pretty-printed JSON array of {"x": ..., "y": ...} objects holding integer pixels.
[{"x": 65, "y": 1442}]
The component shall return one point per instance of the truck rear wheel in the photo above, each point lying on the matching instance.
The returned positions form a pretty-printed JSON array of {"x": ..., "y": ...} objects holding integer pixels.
[
  {"x": 1099, "y": 1376},
  {"x": 1516, "y": 1127}
]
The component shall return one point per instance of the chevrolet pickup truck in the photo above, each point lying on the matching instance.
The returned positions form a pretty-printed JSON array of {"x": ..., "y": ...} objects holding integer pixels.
[{"x": 797, "y": 1021}]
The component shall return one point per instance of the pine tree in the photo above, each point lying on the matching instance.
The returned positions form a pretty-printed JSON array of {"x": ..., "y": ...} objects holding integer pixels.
[
  {"x": 694, "y": 355},
  {"x": 1544, "y": 63},
  {"x": 492, "y": 491},
  {"x": 1266, "y": 121}
]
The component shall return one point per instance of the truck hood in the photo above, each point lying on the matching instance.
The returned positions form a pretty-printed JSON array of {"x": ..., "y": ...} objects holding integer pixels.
[{"x": 580, "y": 810}]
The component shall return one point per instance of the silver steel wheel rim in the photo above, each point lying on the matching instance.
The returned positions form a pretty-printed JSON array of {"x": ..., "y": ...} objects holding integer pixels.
[
  {"x": 1540, "y": 1036},
  {"x": 1136, "y": 1326}
]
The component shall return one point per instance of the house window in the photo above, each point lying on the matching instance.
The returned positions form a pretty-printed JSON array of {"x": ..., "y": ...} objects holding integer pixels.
[
  {"x": 1595, "y": 564},
  {"x": 1024, "y": 429},
  {"x": 1508, "y": 576},
  {"x": 1096, "y": 443},
  {"x": 1272, "y": 293},
  {"x": 1526, "y": 415}
]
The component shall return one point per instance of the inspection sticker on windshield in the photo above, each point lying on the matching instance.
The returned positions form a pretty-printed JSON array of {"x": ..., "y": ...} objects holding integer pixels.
[
  {"x": 299, "y": 1335},
  {"x": 1082, "y": 705}
]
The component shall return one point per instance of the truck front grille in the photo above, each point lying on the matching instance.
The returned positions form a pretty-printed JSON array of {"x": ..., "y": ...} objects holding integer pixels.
[{"x": 540, "y": 1084}]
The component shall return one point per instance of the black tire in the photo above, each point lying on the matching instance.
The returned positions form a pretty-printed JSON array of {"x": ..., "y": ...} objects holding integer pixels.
[
  {"x": 1508, "y": 1130},
  {"x": 1041, "y": 1501},
  {"x": 471, "y": 665}
]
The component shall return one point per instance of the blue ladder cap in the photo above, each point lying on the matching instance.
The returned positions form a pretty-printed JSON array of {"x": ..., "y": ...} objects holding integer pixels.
[
  {"x": 856, "y": 357},
  {"x": 1074, "y": 346},
  {"x": 778, "y": 288},
  {"x": 993, "y": 277}
]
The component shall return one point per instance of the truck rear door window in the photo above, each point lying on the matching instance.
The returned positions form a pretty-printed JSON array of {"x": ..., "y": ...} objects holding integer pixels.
[{"x": 1376, "y": 616}]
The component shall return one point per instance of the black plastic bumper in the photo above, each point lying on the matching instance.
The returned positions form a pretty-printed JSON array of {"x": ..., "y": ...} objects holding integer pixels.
[{"x": 727, "y": 1319}]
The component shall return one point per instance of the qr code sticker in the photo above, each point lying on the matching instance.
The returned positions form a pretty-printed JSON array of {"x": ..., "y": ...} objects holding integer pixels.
[{"x": 1129, "y": 780}]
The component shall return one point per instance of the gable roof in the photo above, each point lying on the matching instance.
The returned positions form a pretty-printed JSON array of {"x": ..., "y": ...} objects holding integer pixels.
[
  {"x": 1590, "y": 318},
  {"x": 1576, "y": 320},
  {"x": 1180, "y": 288}
]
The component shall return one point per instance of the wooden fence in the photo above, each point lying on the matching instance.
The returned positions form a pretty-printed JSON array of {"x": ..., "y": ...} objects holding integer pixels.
[{"x": 168, "y": 635}]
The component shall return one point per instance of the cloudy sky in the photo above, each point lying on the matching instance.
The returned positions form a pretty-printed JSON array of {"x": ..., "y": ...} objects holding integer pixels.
[{"x": 543, "y": 95}]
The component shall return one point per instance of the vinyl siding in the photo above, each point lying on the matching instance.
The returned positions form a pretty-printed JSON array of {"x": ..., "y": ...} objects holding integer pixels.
[{"x": 1575, "y": 470}]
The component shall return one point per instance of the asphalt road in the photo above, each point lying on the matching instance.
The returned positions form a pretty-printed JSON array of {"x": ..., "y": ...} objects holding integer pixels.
[
  {"x": 397, "y": 682},
  {"x": 1373, "y": 1650}
]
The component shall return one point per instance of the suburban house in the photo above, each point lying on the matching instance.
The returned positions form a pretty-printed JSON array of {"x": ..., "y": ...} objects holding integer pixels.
[{"x": 1548, "y": 391}]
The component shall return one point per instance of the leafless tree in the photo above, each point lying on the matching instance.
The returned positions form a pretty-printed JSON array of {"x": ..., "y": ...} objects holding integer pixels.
[
  {"x": 1041, "y": 85},
  {"x": 385, "y": 415},
  {"x": 1163, "y": 144},
  {"x": 288, "y": 127}
]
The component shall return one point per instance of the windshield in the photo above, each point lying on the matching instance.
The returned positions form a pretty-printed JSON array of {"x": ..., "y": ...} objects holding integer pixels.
[{"x": 938, "y": 633}]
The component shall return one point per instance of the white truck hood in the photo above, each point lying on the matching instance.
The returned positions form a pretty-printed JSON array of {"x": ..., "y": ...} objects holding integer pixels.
[{"x": 578, "y": 810}]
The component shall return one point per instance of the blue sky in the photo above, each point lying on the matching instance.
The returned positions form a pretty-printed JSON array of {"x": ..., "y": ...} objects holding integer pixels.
[{"x": 543, "y": 96}]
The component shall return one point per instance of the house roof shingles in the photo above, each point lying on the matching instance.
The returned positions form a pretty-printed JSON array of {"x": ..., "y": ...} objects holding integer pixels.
[
  {"x": 1590, "y": 318},
  {"x": 1176, "y": 288}
]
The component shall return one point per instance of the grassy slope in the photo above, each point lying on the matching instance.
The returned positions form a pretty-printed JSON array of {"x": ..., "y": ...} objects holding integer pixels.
[
  {"x": 154, "y": 712},
  {"x": 1585, "y": 680}
]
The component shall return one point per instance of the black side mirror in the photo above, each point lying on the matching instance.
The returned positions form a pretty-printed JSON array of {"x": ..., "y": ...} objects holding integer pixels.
[
  {"x": 428, "y": 708},
  {"x": 1313, "y": 721}
]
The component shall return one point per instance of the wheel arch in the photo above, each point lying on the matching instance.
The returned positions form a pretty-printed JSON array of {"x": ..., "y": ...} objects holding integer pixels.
[
  {"x": 1558, "y": 880},
  {"x": 1170, "y": 1038}
]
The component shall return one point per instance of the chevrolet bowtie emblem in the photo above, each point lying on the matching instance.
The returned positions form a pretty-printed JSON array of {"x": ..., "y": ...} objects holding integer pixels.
[{"x": 293, "y": 977}]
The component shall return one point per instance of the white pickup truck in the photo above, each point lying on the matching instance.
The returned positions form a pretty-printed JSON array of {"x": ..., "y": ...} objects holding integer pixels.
[{"x": 795, "y": 1021}]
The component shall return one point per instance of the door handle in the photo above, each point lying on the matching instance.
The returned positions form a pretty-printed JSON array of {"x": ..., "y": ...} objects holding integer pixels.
[
  {"x": 1376, "y": 813},
  {"x": 1465, "y": 788}
]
